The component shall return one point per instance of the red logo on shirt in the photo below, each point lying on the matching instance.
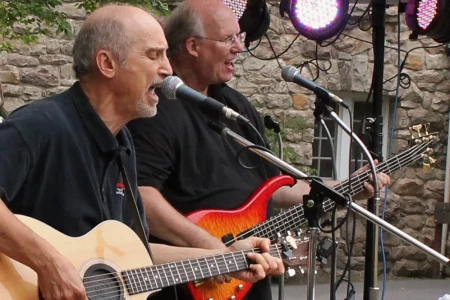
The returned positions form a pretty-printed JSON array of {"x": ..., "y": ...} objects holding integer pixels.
[{"x": 120, "y": 189}]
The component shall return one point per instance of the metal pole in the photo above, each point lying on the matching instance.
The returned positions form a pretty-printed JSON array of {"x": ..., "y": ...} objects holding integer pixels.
[
  {"x": 371, "y": 290},
  {"x": 311, "y": 291}
]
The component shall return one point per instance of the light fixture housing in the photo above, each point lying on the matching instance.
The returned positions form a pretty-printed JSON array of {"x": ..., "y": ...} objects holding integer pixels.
[
  {"x": 430, "y": 18},
  {"x": 253, "y": 16},
  {"x": 316, "y": 20}
]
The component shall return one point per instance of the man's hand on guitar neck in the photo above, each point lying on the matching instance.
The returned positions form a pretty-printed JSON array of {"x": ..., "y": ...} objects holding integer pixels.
[
  {"x": 369, "y": 191},
  {"x": 286, "y": 196},
  {"x": 264, "y": 263}
]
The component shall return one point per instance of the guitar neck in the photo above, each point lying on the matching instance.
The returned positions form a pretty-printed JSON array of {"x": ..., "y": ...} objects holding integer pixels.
[
  {"x": 155, "y": 277},
  {"x": 293, "y": 218}
]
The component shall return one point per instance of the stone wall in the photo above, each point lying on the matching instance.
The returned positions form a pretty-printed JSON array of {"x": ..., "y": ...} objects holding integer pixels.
[
  {"x": 413, "y": 194},
  {"x": 35, "y": 71}
]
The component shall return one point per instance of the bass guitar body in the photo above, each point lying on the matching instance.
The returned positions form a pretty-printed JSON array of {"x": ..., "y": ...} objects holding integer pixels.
[{"x": 230, "y": 223}]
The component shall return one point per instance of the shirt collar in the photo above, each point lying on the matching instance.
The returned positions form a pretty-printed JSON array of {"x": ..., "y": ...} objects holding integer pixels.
[{"x": 95, "y": 125}]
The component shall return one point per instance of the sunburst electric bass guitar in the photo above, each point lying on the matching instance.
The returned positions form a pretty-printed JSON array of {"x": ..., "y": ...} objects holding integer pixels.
[
  {"x": 114, "y": 264},
  {"x": 250, "y": 218}
]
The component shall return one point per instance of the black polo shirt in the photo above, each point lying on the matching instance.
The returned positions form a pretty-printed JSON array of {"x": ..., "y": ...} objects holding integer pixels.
[
  {"x": 58, "y": 164},
  {"x": 3, "y": 195}
]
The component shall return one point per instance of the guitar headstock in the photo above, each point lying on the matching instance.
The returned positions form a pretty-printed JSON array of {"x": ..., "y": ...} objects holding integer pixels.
[
  {"x": 295, "y": 250},
  {"x": 421, "y": 136}
]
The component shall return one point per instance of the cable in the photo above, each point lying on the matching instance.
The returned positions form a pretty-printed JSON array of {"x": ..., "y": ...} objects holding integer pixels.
[
  {"x": 254, "y": 47},
  {"x": 346, "y": 265},
  {"x": 264, "y": 147},
  {"x": 273, "y": 50},
  {"x": 369, "y": 6},
  {"x": 261, "y": 139},
  {"x": 404, "y": 79},
  {"x": 276, "y": 56},
  {"x": 252, "y": 147},
  {"x": 350, "y": 243},
  {"x": 342, "y": 29}
]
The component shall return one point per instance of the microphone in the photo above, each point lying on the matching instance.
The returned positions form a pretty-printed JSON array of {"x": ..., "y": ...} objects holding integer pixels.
[
  {"x": 173, "y": 87},
  {"x": 291, "y": 74}
]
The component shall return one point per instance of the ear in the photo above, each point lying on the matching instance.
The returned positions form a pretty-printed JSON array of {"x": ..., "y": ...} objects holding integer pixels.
[
  {"x": 106, "y": 63},
  {"x": 192, "y": 46}
]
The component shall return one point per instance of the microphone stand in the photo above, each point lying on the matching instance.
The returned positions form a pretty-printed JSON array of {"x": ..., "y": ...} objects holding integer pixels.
[
  {"x": 371, "y": 290},
  {"x": 312, "y": 205}
]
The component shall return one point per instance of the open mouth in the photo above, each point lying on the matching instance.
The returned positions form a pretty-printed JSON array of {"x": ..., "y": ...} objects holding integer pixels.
[
  {"x": 156, "y": 84},
  {"x": 230, "y": 63}
]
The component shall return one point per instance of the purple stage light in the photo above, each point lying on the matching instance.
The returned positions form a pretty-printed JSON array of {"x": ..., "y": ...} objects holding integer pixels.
[
  {"x": 318, "y": 20},
  {"x": 426, "y": 11}
]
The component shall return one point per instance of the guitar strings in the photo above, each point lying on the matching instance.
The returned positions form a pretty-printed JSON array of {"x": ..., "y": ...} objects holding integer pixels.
[
  {"x": 90, "y": 289},
  {"x": 153, "y": 282},
  {"x": 402, "y": 159}
]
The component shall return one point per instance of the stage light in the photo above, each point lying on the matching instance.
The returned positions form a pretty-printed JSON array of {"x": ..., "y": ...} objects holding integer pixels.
[
  {"x": 316, "y": 20},
  {"x": 253, "y": 16},
  {"x": 430, "y": 18}
]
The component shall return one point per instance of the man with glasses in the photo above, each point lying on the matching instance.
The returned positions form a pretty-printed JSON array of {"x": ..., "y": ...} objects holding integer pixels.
[{"x": 182, "y": 164}]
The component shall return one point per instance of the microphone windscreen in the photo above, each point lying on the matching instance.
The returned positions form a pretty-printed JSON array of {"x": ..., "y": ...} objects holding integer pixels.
[
  {"x": 288, "y": 73},
  {"x": 169, "y": 86}
]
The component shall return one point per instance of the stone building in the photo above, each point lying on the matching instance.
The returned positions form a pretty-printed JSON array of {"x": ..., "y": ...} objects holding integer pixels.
[{"x": 31, "y": 72}]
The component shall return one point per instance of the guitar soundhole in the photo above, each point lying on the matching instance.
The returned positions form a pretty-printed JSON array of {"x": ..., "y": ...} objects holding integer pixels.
[{"x": 102, "y": 282}]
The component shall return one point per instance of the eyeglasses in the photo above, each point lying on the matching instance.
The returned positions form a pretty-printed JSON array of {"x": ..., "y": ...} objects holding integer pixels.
[{"x": 229, "y": 41}]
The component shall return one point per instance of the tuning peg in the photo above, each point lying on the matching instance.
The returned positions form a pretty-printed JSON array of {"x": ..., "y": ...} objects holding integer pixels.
[
  {"x": 291, "y": 241},
  {"x": 417, "y": 128},
  {"x": 290, "y": 272},
  {"x": 302, "y": 271},
  {"x": 426, "y": 126}
]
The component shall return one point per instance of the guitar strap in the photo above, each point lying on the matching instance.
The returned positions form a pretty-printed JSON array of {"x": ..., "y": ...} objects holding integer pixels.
[{"x": 136, "y": 222}]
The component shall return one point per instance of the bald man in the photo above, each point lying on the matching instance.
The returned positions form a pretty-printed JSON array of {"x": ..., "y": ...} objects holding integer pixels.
[
  {"x": 182, "y": 164},
  {"x": 60, "y": 162}
]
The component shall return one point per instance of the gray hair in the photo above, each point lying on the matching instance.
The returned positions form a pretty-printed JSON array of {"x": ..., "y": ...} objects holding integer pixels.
[
  {"x": 184, "y": 22},
  {"x": 108, "y": 34}
]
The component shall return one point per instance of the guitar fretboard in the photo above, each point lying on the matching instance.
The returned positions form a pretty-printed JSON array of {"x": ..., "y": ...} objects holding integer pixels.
[
  {"x": 147, "y": 279},
  {"x": 293, "y": 218}
]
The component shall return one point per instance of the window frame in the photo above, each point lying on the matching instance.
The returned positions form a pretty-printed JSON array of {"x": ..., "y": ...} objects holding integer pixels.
[{"x": 342, "y": 144}]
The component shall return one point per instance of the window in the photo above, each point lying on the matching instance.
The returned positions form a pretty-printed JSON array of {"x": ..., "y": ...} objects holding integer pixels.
[{"x": 322, "y": 154}]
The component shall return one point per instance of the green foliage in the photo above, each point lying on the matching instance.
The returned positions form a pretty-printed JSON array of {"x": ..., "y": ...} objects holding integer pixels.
[
  {"x": 297, "y": 124},
  {"x": 155, "y": 5},
  {"x": 26, "y": 20}
]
